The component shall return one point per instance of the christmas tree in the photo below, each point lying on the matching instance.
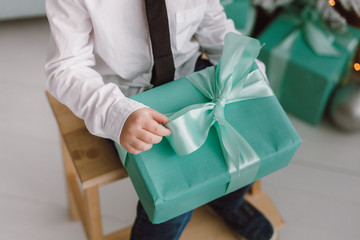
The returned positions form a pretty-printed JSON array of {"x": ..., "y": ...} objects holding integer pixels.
[{"x": 335, "y": 13}]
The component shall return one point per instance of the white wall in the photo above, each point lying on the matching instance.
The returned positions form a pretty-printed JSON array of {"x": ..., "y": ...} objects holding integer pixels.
[{"x": 13, "y": 9}]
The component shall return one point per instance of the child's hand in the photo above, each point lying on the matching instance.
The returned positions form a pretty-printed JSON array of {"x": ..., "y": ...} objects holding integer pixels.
[{"x": 142, "y": 129}]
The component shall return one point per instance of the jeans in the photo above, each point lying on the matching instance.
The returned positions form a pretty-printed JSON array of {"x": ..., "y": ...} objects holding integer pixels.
[{"x": 143, "y": 229}]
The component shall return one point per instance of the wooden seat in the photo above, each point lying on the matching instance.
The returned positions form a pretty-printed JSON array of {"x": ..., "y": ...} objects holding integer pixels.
[{"x": 91, "y": 162}]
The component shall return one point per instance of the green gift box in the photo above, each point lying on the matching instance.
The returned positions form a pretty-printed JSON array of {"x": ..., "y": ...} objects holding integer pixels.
[
  {"x": 242, "y": 12},
  {"x": 305, "y": 61},
  {"x": 239, "y": 132}
]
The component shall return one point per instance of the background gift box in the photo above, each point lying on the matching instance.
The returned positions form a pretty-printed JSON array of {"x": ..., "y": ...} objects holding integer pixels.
[
  {"x": 305, "y": 61},
  {"x": 242, "y": 12}
]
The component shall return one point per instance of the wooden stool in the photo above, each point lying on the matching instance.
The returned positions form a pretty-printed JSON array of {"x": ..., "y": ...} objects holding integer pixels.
[{"x": 91, "y": 162}]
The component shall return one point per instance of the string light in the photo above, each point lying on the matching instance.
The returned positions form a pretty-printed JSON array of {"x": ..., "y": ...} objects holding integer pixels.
[
  {"x": 332, "y": 2},
  {"x": 357, "y": 66}
]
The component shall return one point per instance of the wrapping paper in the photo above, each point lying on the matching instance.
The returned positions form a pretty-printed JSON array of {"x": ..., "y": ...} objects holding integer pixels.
[{"x": 237, "y": 102}]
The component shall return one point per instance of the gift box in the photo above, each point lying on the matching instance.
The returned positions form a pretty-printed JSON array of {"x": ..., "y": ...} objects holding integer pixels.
[
  {"x": 305, "y": 61},
  {"x": 228, "y": 130},
  {"x": 242, "y": 12}
]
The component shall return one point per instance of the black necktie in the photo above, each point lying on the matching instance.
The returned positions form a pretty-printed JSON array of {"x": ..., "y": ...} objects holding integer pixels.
[{"x": 164, "y": 69}]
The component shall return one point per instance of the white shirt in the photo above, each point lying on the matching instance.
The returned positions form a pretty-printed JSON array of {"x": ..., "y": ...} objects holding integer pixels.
[{"x": 100, "y": 52}]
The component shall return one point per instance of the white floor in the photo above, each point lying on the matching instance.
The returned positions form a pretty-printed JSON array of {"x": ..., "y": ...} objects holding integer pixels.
[{"x": 318, "y": 194}]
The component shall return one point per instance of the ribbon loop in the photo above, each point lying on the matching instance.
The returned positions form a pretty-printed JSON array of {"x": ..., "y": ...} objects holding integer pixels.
[{"x": 226, "y": 83}]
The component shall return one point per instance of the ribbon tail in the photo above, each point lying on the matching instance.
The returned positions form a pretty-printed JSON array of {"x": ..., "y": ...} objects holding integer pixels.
[
  {"x": 238, "y": 155},
  {"x": 278, "y": 62}
]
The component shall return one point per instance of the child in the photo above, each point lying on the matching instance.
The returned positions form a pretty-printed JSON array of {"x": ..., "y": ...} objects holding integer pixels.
[{"x": 101, "y": 53}]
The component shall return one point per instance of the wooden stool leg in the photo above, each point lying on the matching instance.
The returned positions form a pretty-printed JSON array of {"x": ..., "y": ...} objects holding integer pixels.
[
  {"x": 69, "y": 171},
  {"x": 255, "y": 188},
  {"x": 92, "y": 203}
]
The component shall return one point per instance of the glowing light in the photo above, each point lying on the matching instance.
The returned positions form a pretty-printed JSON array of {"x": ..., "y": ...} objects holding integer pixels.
[
  {"x": 357, "y": 66},
  {"x": 332, "y": 2}
]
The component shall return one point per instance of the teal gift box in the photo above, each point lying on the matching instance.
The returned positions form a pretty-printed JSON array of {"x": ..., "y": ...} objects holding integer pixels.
[
  {"x": 305, "y": 61},
  {"x": 242, "y": 12},
  {"x": 228, "y": 130}
]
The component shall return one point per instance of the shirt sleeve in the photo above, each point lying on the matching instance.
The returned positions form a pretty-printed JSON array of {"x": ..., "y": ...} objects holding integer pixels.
[
  {"x": 71, "y": 78},
  {"x": 212, "y": 30}
]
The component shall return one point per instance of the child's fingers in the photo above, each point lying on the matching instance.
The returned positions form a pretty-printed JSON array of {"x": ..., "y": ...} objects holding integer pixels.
[
  {"x": 141, "y": 146},
  {"x": 142, "y": 129},
  {"x": 158, "y": 117},
  {"x": 133, "y": 143},
  {"x": 156, "y": 128},
  {"x": 136, "y": 146},
  {"x": 131, "y": 149},
  {"x": 149, "y": 137}
]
